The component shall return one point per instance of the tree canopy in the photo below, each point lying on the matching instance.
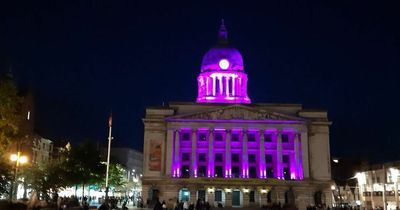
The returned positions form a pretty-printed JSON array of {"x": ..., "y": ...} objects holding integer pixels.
[{"x": 10, "y": 115}]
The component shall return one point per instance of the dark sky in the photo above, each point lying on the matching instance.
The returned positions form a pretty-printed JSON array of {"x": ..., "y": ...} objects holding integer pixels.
[{"x": 85, "y": 58}]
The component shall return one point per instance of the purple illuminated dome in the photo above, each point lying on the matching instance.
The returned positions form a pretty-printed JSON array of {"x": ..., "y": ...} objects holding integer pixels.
[{"x": 222, "y": 78}]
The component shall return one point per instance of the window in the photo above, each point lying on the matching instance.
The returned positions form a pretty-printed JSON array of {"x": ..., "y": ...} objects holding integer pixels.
[
  {"x": 252, "y": 158},
  {"x": 252, "y": 196},
  {"x": 235, "y": 158},
  {"x": 286, "y": 173},
  {"x": 185, "y": 171},
  {"x": 185, "y": 136},
  {"x": 235, "y": 137},
  {"x": 202, "y": 157},
  {"x": 185, "y": 156},
  {"x": 270, "y": 172},
  {"x": 268, "y": 137},
  {"x": 218, "y": 195},
  {"x": 202, "y": 137},
  {"x": 268, "y": 158},
  {"x": 252, "y": 172},
  {"x": 218, "y": 171},
  {"x": 285, "y": 138},
  {"x": 251, "y": 137},
  {"x": 285, "y": 158},
  {"x": 202, "y": 171},
  {"x": 218, "y": 136},
  {"x": 235, "y": 172},
  {"x": 218, "y": 157}
]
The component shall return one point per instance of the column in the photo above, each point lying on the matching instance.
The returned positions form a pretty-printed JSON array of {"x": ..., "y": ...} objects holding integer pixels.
[
  {"x": 262, "y": 173},
  {"x": 239, "y": 87},
  {"x": 221, "y": 86},
  {"x": 296, "y": 156},
  {"x": 176, "y": 153},
  {"x": 246, "y": 198},
  {"x": 233, "y": 85},
  {"x": 245, "y": 170},
  {"x": 207, "y": 85},
  {"x": 304, "y": 156},
  {"x": 170, "y": 153},
  {"x": 227, "y": 85},
  {"x": 210, "y": 171},
  {"x": 279, "y": 155},
  {"x": 194, "y": 158},
  {"x": 228, "y": 170},
  {"x": 228, "y": 198},
  {"x": 214, "y": 85}
]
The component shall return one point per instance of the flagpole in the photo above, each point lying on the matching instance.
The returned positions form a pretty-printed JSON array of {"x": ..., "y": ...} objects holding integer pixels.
[{"x": 108, "y": 155}]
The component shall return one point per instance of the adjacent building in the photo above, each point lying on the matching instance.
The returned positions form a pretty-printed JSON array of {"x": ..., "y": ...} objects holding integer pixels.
[
  {"x": 228, "y": 151},
  {"x": 378, "y": 184}
]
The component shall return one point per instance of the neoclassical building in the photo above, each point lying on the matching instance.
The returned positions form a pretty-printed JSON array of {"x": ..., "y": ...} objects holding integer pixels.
[{"x": 224, "y": 149}]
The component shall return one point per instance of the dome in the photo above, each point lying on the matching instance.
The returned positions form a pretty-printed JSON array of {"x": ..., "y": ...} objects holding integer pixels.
[
  {"x": 231, "y": 57},
  {"x": 212, "y": 58}
]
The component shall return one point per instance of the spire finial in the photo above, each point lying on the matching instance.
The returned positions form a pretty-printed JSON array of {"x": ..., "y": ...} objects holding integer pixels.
[{"x": 222, "y": 33}]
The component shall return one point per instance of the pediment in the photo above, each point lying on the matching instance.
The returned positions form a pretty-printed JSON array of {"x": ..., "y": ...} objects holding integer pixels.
[{"x": 237, "y": 112}]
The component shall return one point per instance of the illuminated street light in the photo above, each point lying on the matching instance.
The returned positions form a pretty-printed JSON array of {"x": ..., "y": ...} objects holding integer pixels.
[{"x": 19, "y": 160}]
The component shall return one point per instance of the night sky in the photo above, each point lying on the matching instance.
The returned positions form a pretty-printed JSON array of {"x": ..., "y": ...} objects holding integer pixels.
[{"x": 83, "y": 59}]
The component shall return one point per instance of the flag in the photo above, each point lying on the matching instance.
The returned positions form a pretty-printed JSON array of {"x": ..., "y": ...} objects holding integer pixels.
[{"x": 110, "y": 120}]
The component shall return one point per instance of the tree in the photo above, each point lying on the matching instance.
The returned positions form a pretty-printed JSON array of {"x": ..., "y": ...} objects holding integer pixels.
[
  {"x": 83, "y": 165},
  {"x": 46, "y": 179},
  {"x": 10, "y": 114},
  {"x": 116, "y": 176},
  {"x": 5, "y": 178}
]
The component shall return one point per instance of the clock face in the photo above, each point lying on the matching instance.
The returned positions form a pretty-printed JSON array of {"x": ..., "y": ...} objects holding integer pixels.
[{"x": 224, "y": 64}]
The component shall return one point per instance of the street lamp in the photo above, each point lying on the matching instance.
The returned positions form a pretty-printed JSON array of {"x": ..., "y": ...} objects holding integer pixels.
[{"x": 19, "y": 160}]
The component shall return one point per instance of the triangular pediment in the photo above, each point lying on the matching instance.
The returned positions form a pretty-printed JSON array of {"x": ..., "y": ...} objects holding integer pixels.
[{"x": 237, "y": 112}]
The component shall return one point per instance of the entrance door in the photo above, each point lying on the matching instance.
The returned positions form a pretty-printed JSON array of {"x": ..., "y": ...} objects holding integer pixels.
[{"x": 236, "y": 198}]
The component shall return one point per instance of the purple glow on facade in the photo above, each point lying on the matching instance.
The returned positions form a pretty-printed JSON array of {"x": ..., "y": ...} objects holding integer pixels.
[
  {"x": 222, "y": 78},
  {"x": 289, "y": 168}
]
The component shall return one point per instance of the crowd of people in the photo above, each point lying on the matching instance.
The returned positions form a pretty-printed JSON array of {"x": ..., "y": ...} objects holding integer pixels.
[{"x": 184, "y": 205}]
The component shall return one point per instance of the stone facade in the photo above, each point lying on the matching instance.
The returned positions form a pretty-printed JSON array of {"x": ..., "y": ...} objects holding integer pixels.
[{"x": 226, "y": 151}]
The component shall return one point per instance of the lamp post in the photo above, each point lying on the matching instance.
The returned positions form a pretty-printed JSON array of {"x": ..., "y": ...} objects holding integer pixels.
[{"x": 19, "y": 160}]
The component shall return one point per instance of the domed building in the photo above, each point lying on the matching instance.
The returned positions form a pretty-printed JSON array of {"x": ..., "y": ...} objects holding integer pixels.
[{"x": 225, "y": 151}]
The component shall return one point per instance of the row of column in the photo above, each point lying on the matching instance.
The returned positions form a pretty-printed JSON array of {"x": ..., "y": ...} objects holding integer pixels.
[{"x": 295, "y": 171}]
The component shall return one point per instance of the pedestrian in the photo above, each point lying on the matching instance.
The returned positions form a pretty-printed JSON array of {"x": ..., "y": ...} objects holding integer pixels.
[
  {"x": 185, "y": 205},
  {"x": 158, "y": 205},
  {"x": 104, "y": 206},
  {"x": 164, "y": 205}
]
